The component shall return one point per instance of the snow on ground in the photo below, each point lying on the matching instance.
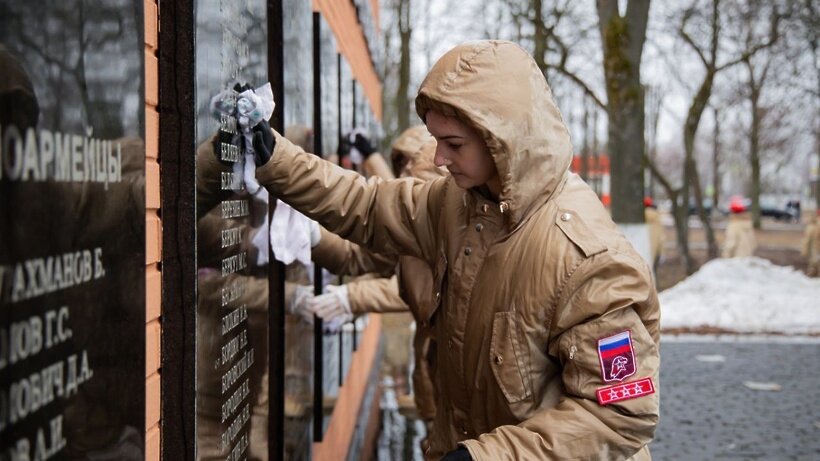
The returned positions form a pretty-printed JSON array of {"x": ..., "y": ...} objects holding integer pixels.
[{"x": 749, "y": 295}]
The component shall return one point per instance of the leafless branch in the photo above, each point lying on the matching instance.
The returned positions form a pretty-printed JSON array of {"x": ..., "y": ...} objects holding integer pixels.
[{"x": 688, "y": 39}]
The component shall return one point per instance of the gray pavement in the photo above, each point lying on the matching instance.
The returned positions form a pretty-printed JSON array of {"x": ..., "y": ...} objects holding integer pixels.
[{"x": 708, "y": 413}]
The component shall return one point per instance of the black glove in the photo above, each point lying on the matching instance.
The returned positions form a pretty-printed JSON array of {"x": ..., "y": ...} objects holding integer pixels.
[
  {"x": 241, "y": 88},
  {"x": 458, "y": 455},
  {"x": 263, "y": 142},
  {"x": 363, "y": 145},
  {"x": 344, "y": 147},
  {"x": 343, "y": 152}
]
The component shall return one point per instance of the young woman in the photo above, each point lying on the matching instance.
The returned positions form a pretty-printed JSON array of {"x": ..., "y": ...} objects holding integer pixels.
[{"x": 547, "y": 319}]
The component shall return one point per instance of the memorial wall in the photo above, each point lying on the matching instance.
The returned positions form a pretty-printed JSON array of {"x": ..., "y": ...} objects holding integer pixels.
[
  {"x": 72, "y": 230},
  {"x": 232, "y": 309},
  {"x": 297, "y": 112}
]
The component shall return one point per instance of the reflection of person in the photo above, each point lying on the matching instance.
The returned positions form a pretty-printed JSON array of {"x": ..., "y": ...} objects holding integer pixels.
[
  {"x": 530, "y": 273},
  {"x": 740, "y": 239},
  {"x": 811, "y": 246},
  {"x": 49, "y": 218},
  {"x": 17, "y": 92},
  {"x": 653, "y": 223}
]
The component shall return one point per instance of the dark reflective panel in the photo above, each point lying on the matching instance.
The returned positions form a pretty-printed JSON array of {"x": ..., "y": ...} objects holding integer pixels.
[
  {"x": 346, "y": 114},
  {"x": 232, "y": 237},
  {"x": 329, "y": 91},
  {"x": 346, "y": 117},
  {"x": 361, "y": 107},
  {"x": 346, "y": 106},
  {"x": 374, "y": 127},
  {"x": 72, "y": 230},
  {"x": 297, "y": 25}
]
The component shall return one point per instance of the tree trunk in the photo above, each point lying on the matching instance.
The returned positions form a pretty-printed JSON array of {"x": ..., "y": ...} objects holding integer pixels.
[
  {"x": 625, "y": 145},
  {"x": 402, "y": 99},
  {"x": 705, "y": 218},
  {"x": 622, "y": 39},
  {"x": 754, "y": 152},
  {"x": 540, "y": 35},
  {"x": 679, "y": 213},
  {"x": 716, "y": 161},
  {"x": 812, "y": 39},
  {"x": 681, "y": 216},
  {"x": 690, "y": 130},
  {"x": 596, "y": 150}
]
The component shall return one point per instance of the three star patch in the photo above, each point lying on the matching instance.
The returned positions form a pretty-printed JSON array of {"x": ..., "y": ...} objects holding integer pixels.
[
  {"x": 617, "y": 357},
  {"x": 625, "y": 391}
]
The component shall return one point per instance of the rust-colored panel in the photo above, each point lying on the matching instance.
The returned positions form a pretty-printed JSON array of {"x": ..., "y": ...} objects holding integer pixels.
[{"x": 342, "y": 422}]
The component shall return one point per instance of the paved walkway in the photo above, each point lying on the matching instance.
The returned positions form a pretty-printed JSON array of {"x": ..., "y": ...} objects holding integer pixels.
[
  {"x": 708, "y": 413},
  {"x": 708, "y": 410}
]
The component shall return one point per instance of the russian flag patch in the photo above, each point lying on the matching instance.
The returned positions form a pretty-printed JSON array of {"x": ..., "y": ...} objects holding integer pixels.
[{"x": 617, "y": 357}]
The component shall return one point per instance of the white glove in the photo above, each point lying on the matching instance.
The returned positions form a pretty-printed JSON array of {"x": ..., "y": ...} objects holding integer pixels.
[
  {"x": 315, "y": 233},
  {"x": 333, "y": 307},
  {"x": 301, "y": 303}
]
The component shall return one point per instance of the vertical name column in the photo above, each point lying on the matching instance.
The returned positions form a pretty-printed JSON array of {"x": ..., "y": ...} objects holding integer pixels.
[{"x": 236, "y": 355}]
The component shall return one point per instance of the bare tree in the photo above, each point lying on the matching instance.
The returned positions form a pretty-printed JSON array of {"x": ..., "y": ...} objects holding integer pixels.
[
  {"x": 405, "y": 32},
  {"x": 397, "y": 71},
  {"x": 808, "y": 17},
  {"x": 622, "y": 40},
  {"x": 758, "y": 66},
  {"x": 707, "y": 54},
  {"x": 654, "y": 102},
  {"x": 716, "y": 157}
]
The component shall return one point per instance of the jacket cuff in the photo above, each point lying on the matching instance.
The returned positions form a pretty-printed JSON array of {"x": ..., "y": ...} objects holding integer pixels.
[
  {"x": 474, "y": 447},
  {"x": 355, "y": 295},
  {"x": 280, "y": 160}
]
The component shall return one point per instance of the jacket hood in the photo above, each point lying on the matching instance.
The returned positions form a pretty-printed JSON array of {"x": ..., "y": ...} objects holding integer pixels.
[
  {"x": 409, "y": 142},
  {"x": 421, "y": 165},
  {"x": 415, "y": 148},
  {"x": 496, "y": 87}
]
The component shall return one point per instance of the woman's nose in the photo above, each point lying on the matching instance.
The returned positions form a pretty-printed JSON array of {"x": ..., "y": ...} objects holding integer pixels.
[{"x": 440, "y": 160}]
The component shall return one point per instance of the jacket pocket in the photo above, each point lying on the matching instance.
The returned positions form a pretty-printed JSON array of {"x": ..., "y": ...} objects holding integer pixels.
[{"x": 509, "y": 357}]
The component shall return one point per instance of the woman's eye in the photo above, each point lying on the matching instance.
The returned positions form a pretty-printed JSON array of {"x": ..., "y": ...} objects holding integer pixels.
[{"x": 453, "y": 146}]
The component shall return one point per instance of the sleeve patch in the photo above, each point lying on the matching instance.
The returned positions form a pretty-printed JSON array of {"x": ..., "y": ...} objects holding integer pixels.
[
  {"x": 625, "y": 391},
  {"x": 616, "y": 356}
]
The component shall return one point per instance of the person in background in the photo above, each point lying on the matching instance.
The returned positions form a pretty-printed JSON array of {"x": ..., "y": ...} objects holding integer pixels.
[
  {"x": 653, "y": 223},
  {"x": 811, "y": 246},
  {"x": 546, "y": 319},
  {"x": 740, "y": 241}
]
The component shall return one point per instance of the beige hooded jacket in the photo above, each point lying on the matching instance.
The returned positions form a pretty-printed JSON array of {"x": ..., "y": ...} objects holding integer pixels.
[
  {"x": 525, "y": 288},
  {"x": 810, "y": 248},
  {"x": 740, "y": 241}
]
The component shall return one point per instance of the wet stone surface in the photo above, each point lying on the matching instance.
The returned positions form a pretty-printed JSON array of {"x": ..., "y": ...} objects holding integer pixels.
[{"x": 708, "y": 413}]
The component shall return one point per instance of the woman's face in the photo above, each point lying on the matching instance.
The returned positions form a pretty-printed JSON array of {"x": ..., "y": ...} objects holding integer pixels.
[{"x": 461, "y": 149}]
